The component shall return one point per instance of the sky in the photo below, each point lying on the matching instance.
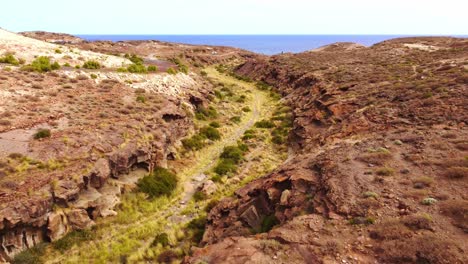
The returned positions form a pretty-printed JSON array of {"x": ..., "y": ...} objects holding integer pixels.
[{"x": 395, "y": 17}]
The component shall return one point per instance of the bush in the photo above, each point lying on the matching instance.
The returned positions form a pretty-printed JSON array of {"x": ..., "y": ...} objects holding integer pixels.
[
  {"x": 385, "y": 171},
  {"x": 199, "y": 196},
  {"x": 268, "y": 223},
  {"x": 246, "y": 109},
  {"x": 42, "y": 133},
  {"x": 171, "y": 71},
  {"x": 134, "y": 58},
  {"x": 278, "y": 140},
  {"x": 197, "y": 226},
  {"x": 182, "y": 67},
  {"x": 264, "y": 124},
  {"x": 141, "y": 99},
  {"x": 93, "y": 76},
  {"x": 210, "y": 133},
  {"x": 233, "y": 153},
  {"x": 137, "y": 68},
  {"x": 122, "y": 69},
  {"x": 91, "y": 64},
  {"x": 159, "y": 182},
  {"x": 206, "y": 113},
  {"x": 41, "y": 64},
  {"x": 196, "y": 142},
  {"x": 428, "y": 201},
  {"x": 215, "y": 124},
  {"x": 72, "y": 238},
  {"x": 152, "y": 68},
  {"x": 162, "y": 239},
  {"x": 225, "y": 166},
  {"x": 10, "y": 59},
  {"x": 235, "y": 119},
  {"x": 31, "y": 256}
]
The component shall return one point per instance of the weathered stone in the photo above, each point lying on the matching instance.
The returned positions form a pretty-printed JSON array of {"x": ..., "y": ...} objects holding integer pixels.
[
  {"x": 209, "y": 187},
  {"x": 79, "y": 219},
  {"x": 57, "y": 226}
]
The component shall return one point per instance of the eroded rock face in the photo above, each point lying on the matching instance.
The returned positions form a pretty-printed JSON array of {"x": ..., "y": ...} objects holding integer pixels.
[{"x": 373, "y": 136}]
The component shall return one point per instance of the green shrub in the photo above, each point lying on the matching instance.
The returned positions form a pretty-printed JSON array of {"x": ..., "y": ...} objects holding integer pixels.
[
  {"x": 122, "y": 69},
  {"x": 137, "y": 68},
  {"x": 66, "y": 64},
  {"x": 159, "y": 182},
  {"x": 171, "y": 71},
  {"x": 268, "y": 223},
  {"x": 199, "y": 196},
  {"x": 182, "y": 67},
  {"x": 55, "y": 66},
  {"x": 263, "y": 86},
  {"x": 91, "y": 64},
  {"x": 264, "y": 124},
  {"x": 235, "y": 119},
  {"x": 134, "y": 58},
  {"x": 210, "y": 133},
  {"x": 152, "y": 68},
  {"x": 203, "y": 113},
  {"x": 215, "y": 124},
  {"x": 278, "y": 140},
  {"x": 73, "y": 238},
  {"x": 31, "y": 256},
  {"x": 58, "y": 51},
  {"x": 93, "y": 76},
  {"x": 196, "y": 142},
  {"x": 197, "y": 228},
  {"x": 246, "y": 109},
  {"x": 10, "y": 59},
  {"x": 233, "y": 153},
  {"x": 219, "y": 95},
  {"x": 41, "y": 64},
  {"x": 203, "y": 73},
  {"x": 217, "y": 178},
  {"x": 162, "y": 239},
  {"x": 42, "y": 133},
  {"x": 225, "y": 166},
  {"x": 141, "y": 99}
]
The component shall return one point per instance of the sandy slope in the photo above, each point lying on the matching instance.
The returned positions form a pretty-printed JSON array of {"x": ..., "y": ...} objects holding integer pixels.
[{"x": 28, "y": 49}]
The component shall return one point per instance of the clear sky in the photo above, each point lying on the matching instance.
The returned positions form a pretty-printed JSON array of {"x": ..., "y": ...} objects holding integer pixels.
[{"x": 424, "y": 17}]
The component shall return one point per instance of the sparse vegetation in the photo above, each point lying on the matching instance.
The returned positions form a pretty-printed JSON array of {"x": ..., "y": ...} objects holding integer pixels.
[
  {"x": 264, "y": 124},
  {"x": 10, "y": 59},
  {"x": 92, "y": 65},
  {"x": 152, "y": 68},
  {"x": 137, "y": 68},
  {"x": 41, "y": 64}
]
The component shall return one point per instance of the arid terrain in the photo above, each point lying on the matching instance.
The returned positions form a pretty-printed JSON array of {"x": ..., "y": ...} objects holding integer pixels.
[{"x": 154, "y": 152}]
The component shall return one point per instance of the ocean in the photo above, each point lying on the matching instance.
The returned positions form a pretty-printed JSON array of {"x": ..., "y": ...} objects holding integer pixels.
[{"x": 264, "y": 44}]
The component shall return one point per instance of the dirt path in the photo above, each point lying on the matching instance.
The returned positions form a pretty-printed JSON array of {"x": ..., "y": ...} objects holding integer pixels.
[{"x": 192, "y": 177}]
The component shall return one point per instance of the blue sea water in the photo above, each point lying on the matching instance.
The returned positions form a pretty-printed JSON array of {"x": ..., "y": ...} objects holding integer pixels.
[{"x": 264, "y": 44}]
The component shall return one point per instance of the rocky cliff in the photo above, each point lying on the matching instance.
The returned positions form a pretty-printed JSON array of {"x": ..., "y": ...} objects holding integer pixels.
[
  {"x": 379, "y": 170},
  {"x": 73, "y": 140}
]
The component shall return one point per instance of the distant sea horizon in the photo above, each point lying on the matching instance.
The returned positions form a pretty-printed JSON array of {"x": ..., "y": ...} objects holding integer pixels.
[{"x": 263, "y": 44}]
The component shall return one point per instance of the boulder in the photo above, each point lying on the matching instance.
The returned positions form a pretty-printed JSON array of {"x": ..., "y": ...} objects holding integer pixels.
[{"x": 79, "y": 219}]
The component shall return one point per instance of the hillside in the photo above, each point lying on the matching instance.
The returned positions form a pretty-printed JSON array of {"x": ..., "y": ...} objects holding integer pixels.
[
  {"x": 155, "y": 152},
  {"x": 379, "y": 171}
]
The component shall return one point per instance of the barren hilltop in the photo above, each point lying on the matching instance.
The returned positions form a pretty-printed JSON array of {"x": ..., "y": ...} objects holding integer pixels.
[{"x": 146, "y": 151}]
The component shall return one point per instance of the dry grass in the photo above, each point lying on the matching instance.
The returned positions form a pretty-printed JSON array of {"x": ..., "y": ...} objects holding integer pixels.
[
  {"x": 457, "y": 210},
  {"x": 456, "y": 173}
]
